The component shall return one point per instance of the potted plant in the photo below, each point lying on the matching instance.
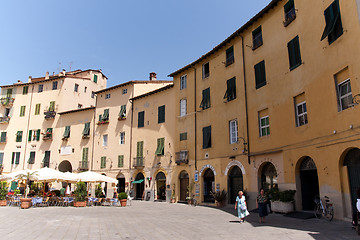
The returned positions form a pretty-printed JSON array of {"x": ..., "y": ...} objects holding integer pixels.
[
  {"x": 190, "y": 195},
  {"x": 281, "y": 201},
  {"x": 220, "y": 198},
  {"x": 123, "y": 198},
  {"x": 173, "y": 197},
  {"x": 3, "y": 193},
  {"x": 98, "y": 191},
  {"x": 25, "y": 202},
  {"x": 80, "y": 195}
]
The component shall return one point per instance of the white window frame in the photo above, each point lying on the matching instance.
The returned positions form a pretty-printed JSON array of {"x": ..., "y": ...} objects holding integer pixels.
[
  {"x": 265, "y": 126},
  {"x": 301, "y": 115},
  {"x": 122, "y": 138},
  {"x": 124, "y": 91},
  {"x": 183, "y": 82},
  {"x": 108, "y": 95},
  {"x": 183, "y": 107},
  {"x": 233, "y": 131},
  {"x": 347, "y": 81},
  {"x": 105, "y": 140}
]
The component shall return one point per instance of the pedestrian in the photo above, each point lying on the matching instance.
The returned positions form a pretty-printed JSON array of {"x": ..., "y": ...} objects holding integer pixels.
[
  {"x": 62, "y": 191},
  {"x": 355, "y": 218},
  {"x": 261, "y": 202},
  {"x": 241, "y": 206}
]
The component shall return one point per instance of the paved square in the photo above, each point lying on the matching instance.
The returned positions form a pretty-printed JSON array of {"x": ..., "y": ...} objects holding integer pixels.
[{"x": 156, "y": 220}]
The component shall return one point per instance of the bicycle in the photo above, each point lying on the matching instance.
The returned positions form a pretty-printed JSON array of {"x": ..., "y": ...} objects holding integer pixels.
[{"x": 320, "y": 210}]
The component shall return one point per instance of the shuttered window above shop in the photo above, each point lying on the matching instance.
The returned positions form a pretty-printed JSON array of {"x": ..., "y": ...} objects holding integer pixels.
[
  {"x": 260, "y": 75},
  {"x": 160, "y": 146}
]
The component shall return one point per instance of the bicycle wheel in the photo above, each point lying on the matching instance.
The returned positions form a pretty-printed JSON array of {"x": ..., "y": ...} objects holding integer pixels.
[
  {"x": 329, "y": 213},
  {"x": 318, "y": 211}
]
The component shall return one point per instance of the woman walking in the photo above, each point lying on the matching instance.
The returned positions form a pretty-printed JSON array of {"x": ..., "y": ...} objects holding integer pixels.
[
  {"x": 240, "y": 205},
  {"x": 261, "y": 202}
]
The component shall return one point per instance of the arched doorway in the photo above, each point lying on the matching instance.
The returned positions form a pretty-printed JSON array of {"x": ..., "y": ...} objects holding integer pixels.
[
  {"x": 161, "y": 186},
  {"x": 309, "y": 183},
  {"x": 121, "y": 183},
  {"x": 209, "y": 186},
  {"x": 235, "y": 183},
  {"x": 352, "y": 162},
  {"x": 268, "y": 177},
  {"x": 184, "y": 183},
  {"x": 65, "y": 166},
  {"x": 139, "y": 186}
]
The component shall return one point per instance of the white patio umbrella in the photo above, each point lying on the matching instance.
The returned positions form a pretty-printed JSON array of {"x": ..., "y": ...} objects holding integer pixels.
[
  {"x": 4, "y": 178},
  {"x": 48, "y": 174},
  {"x": 90, "y": 176},
  {"x": 69, "y": 177},
  {"x": 21, "y": 175}
]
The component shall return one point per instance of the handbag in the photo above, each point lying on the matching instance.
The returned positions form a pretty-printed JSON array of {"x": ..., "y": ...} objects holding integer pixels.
[{"x": 243, "y": 207}]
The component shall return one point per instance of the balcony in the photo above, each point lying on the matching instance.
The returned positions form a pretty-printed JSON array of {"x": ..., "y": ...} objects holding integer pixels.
[
  {"x": 7, "y": 101},
  {"x": 83, "y": 166},
  {"x": 182, "y": 157},
  {"x": 47, "y": 136},
  {"x": 138, "y": 162},
  {"x": 4, "y": 120},
  {"x": 102, "y": 122},
  {"x": 49, "y": 114}
]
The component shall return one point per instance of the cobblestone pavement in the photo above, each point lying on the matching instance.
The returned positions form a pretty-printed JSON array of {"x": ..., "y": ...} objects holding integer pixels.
[{"x": 154, "y": 220}]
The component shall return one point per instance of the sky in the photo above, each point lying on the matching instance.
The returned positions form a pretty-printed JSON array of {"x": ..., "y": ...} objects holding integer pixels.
[{"x": 126, "y": 39}]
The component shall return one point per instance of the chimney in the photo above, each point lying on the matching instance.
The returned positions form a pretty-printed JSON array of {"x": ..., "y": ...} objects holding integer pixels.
[
  {"x": 63, "y": 72},
  {"x": 30, "y": 78},
  {"x": 19, "y": 81},
  {"x": 47, "y": 75},
  {"x": 152, "y": 76}
]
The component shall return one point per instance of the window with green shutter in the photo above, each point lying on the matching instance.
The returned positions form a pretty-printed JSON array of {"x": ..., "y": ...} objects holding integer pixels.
[
  {"x": 52, "y": 106},
  {"x": 3, "y": 137},
  {"x": 333, "y": 29},
  {"x": 86, "y": 131},
  {"x": 229, "y": 56},
  {"x": 37, "y": 109},
  {"x": 183, "y": 136},
  {"x": 257, "y": 38},
  {"x": 32, "y": 158},
  {"x": 260, "y": 75},
  {"x": 95, "y": 78},
  {"x": 122, "y": 114},
  {"x": 66, "y": 132},
  {"x": 160, "y": 146},
  {"x": 22, "y": 111},
  {"x": 103, "y": 162},
  {"x": 9, "y": 92},
  {"x": 205, "y": 102},
  {"x": 105, "y": 116},
  {"x": 30, "y": 136},
  {"x": 121, "y": 161},
  {"x": 207, "y": 137},
  {"x": 230, "y": 93},
  {"x": 139, "y": 149},
  {"x": 15, "y": 158},
  {"x": 141, "y": 119},
  {"x": 46, "y": 160},
  {"x": 1, "y": 158},
  {"x": 25, "y": 90},
  {"x": 85, "y": 154},
  {"x": 38, "y": 135},
  {"x": 290, "y": 14},
  {"x": 294, "y": 53},
  {"x": 19, "y": 135},
  {"x": 161, "y": 114}
]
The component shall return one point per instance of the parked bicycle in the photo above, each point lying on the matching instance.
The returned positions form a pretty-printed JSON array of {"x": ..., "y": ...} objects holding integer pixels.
[{"x": 320, "y": 210}]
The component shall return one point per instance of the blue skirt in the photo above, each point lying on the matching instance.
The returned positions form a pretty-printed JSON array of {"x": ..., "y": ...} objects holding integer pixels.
[{"x": 263, "y": 209}]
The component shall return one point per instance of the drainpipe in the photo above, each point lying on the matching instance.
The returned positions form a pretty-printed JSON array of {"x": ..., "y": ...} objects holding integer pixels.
[
  {"x": 93, "y": 141},
  {"x": 27, "y": 127},
  {"x": 131, "y": 128},
  {"x": 246, "y": 103},
  {"x": 195, "y": 118}
]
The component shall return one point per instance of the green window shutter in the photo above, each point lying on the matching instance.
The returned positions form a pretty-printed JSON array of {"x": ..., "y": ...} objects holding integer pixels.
[
  {"x": 122, "y": 113},
  {"x": 49, "y": 130},
  {"x": 205, "y": 103},
  {"x": 52, "y": 106},
  {"x": 206, "y": 137},
  {"x": 183, "y": 136},
  {"x": 19, "y": 136},
  {"x": 3, "y": 137},
  {"x": 38, "y": 135},
  {"x": 67, "y": 132},
  {"x": 260, "y": 76},
  {"x": 294, "y": 53},
  {"x": 160, "y": 146},
  {"x": 257, "y": 38},
  {"x": 1, "y": 158},
  {"x": 141, "y": 119},
  {"x": 25, "y": 90},
  {"x": 100, "y": 117},
  {"x": 121, "y": 161},
  {"x": 333, "y": 28},
  {"x": 161, "y": 114},
  {"x": 9, "y": 92},
  {"x": 32, "y": 158},
  {"x": 95, "y": 78},
  {"x": 289, "y": 5},
  {"x": 229, "y": 56},
  {"x": 139, "y": 149},
  {"x": 86, "y": 130},
  {"x": 105, "y": 116},
  {"x": 22, "y": 111},
  {"x": 30, "y": 136},
  {"x": 13, "y": 158},
  {"x": 231, "y": 89},
  {"x": 37, "y": 109},
  {"x": 46, "y": 159},
  {"x": 85, "y": 154},
  {"x": 17, "y": 158},
  {"x": 103, "y": 162}
]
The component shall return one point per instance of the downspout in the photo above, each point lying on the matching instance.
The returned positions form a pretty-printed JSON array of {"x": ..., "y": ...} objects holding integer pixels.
[
  {"x": 195, "y": 152},
  {"x": 27, "y": 128},
  {"x": 93, "y": 141},
  {"x": 131, "y": 128},
  {"x": 246, "y": 103}
]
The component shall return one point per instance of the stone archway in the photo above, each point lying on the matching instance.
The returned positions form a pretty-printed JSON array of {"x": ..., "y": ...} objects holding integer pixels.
[
  {"x": 184, "y": 183},
  {"x": 209, "y": 185},
  {"x": 267, "y": 176},
  {"x": 65, "y": 166}
]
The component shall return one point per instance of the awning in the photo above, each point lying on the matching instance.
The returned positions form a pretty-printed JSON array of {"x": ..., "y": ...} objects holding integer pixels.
[{"x": 138, "y": 181}]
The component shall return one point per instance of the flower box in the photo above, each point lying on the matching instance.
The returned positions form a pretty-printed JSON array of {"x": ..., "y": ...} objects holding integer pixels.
[
  {"x": 282, "y": 207},
  {"x": 102, "y": 122}
]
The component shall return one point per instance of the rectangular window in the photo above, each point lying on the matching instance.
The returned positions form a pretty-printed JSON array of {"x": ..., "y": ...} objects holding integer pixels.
[
  {"x": 54, "y": 85},
  {"x": 122, "y": 138},
  {"x": 76, "y": 87},
  {"x": 141, "y": 116},
  {"x": 85, "y": 89},
  {"x": 9, "y": 92},
  {"x": 343, "y": 89},
  {"x": 22, "y": 111},
  {"x": 105, "y": 140},
  {"x": 95, "y": 78},
  {"x": 183, "y": 136},
  {"x": 37, "y": 135},
  {"x": 25, "y": 90},
  {"x": 124, "y": 91},
  {"x": 230, "y": 93},
  {"x": 41, "y": 88},
  {"x": 160, "y": 147},
  {"x": 85, "y": 154},
  {"x": 264, "y": 126},
  {"x": 290, "y": 14},
  {"x": 120, "y": 161},
  {"x": 19, "y": 135},
  {"x": 257, "y": 38},
  {"x": 66, "y": 132},
  {"x": 205, "y": 70},
  {"x": 294, "y": 53},
  {"x": 301, "y": 114},
  {"x": 46, "y": 161},
  {"x": 92, "y": 94},
  {"x": 107, "y": 96},
  {"x": 7, "y": 112},
  {"x": 37, "y": 109},
  {"x": 1, "y": 158},
  {"x": 260, "y": 75},
  {"x": 205, "y": 103},
  {"x": 182, "y": 107},
  {"x": 30, "y": 136},
  {"x": 161, "y": 114},
  {"x": 3, "y": 137},
  {"x": 103, "y": 162},
  {"x": 105, "y": 116},
  {"x": 233, "y": 131},
  {"x": 333, "y": 29},
  {"x": 122, "y": 114},
  {"x": 86, "y": 131},
  {"x": 80, "y": 106},
  {"x": 206, "y": 137},
  {"x": 139, "y": 149},
  {"x": 32, "y": 158},
  {"x": 47, "y": 134},
  {"x": 183, "y": 82},
  {"x": 15, "y": 158},
  {"x": 52, "y": 106},
  {"x": 229, "y": 56}
]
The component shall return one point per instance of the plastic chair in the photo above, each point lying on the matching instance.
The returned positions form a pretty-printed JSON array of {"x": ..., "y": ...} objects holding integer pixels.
[{"x": 129, "y": 200}]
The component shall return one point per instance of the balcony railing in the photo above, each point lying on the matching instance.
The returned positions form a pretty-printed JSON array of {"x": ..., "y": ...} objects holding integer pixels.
[
  {"x": 83, "y": 166},
  {"x": 49, "y": 114},
  {"x": 182, "y": 157},
  {"x": 4, "y": 119},
  {"x": 102, "y": 122},
  {"x": 138, "y": 162},
  {"x": 7, "y": 101}
]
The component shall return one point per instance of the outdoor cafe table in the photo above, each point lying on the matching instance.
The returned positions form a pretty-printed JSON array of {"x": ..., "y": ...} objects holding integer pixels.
[{"x": 36, "y": 200}]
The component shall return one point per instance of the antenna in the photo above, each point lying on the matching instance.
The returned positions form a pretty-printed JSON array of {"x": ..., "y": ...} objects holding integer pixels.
[
  {"x": 70, "y": 65},
  {"x": 59, "y": 67}
]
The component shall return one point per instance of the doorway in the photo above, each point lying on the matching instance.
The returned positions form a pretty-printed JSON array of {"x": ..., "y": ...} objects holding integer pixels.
[
  {"x": 309, "y": 183},
  {"x": 268, "y": 178},
  {"x": 121, "y": 184},
  {"x": 352, "y": 161},
  {"x": 209, "y": 186},
  {"x": 139, "y": 186},
  {"x": 235, "y": 183},
  {"x": 184, "y": 183},
  {"x": 161, "y": 186}
]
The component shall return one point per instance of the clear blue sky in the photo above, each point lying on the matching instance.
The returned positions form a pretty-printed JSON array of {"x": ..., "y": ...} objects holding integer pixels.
[{"x": 126, "y": 39}]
